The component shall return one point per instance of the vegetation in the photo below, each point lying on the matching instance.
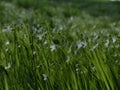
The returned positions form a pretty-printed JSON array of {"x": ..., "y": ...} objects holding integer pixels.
[{"x": 59, "y": 45}]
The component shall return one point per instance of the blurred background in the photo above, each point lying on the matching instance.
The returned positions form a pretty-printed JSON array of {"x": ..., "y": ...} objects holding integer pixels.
[{"x": 60, "y": 8}]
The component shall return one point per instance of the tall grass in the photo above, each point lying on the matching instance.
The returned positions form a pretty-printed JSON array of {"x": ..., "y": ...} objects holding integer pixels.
[{"x": 57, "y": 47}]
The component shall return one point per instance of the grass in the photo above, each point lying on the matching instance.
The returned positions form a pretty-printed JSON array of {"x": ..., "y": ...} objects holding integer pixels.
[{"x": 58, "y": 46}]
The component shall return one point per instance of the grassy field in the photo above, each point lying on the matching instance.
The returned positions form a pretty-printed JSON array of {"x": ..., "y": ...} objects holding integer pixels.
[{"x": 59, "y": 45}]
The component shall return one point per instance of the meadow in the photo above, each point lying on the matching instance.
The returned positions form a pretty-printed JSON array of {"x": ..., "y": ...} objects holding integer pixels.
[{"x": 50, "y": 45}]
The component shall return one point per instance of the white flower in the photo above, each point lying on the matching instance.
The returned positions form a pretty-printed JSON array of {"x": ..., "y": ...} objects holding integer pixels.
[
  {"x": 61, "y": 27},
  {"x": 39, "y": 36},
  {"x": 34, "y": 52},
  {"x": 44, "y": 77},
  {"x": 52, "y": 47},
  {"x": 77, "y": 69},
  {"x": 19, "y": 46},
  {"x": 8, "y": 66},
  {"x": 81, "y": 44},
  {"x": 7, "y": 43},
  {"x": 114, "y": 39},
  {"x": 68, "y": 59},
  {"x": 94, "y": 33},
  {"x": 38, "y": 66},
  {"x": 93, "y": 68},
  {"x": 75, "y": 52},
  {"x": 45, "y": 42},
  {"x": 82, "y": 72},
  {"x": 116, "y": 61},
  {"x": 107, "y": 43},
  {"x": 7, "y": 29}
]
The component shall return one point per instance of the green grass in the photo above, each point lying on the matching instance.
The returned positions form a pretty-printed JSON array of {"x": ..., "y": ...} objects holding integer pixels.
[{"x": 59, "y": 45}]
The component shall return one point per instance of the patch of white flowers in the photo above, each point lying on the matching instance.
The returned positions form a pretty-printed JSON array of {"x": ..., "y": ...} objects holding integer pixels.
[{"x": 7, "y": 29}]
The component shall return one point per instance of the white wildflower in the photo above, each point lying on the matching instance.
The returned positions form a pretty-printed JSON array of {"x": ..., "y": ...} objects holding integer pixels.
[
  {"x": 68, "y": 59},
  {"x": 114, "y": 39},
  {"x": 45, "y": 42},
  {"x": 81, "y": 44},
  {"x": 77, "y": 69},
  {"x": 93, "y": 68},
  {"x": 61, "y": 27},
  {"x": 34, "y": 52},
  {"x": 39, "y": 36},
  {"x": 38, "y": 66},
  {"x": 44, "y": 77},
  {"x": 82, "y": 72},
  {"x": 71, "y": 18},
  {"x": 7, "y": 43},
  {"x": 7, "y": 29},
  {"x": 52, "y": 47},
  {"x": 94, "y": 33},
  {"x": 107, "y": 43},
  {"x": 116, "y": 61},
  {"x": 8, "y": 66},
  {"x": 19, "y": 46}
]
